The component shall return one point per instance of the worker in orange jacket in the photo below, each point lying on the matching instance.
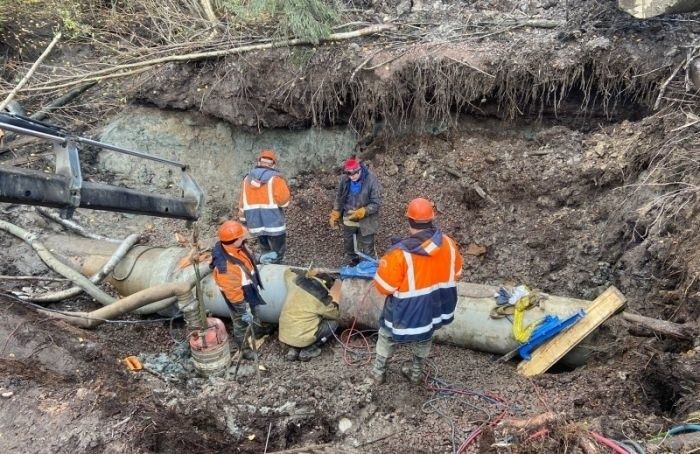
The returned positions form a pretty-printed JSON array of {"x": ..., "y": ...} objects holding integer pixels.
[
  {"x": 418, "y": 276},
  {"x": 238, "y": 280},
  {"x": 264, "y": 195}
]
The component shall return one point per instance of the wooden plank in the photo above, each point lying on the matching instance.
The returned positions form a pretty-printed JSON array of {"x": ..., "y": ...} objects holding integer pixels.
[{"x": 600, "y": 310}]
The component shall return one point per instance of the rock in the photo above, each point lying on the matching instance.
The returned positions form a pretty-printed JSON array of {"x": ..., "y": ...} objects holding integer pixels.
[
  {"x": 599, "y": 42},
  {"x": 344, "y": 425},
  {"x": 7, "y": 394}
]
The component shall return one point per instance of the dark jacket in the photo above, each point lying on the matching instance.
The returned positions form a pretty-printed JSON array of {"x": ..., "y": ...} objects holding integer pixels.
[{"x": 369, "y": 197}]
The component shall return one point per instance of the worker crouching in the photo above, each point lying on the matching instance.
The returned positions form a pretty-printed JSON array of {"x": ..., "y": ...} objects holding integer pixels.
[
  {"x": 309, "y": 316},
  {"x": 418, "y": 276},
  {"x": 238, "y": 280}
]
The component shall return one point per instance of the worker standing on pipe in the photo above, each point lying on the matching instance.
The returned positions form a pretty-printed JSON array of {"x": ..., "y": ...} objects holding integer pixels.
[
  {"x": 357, "y": 201},
  {"x": 418, "y": 276},
  {"x": 238, "y": 280},
  {"x": 264, "y": 194}
]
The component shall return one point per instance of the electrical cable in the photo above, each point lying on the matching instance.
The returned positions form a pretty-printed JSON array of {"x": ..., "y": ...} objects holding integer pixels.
[
  {"x": 133, "y": 264},
  {"x": 609, "y": 443},
  {"x": 684, "y": 428}
]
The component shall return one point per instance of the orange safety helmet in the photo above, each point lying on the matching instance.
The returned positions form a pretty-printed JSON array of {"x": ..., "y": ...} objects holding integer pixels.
[
  {"x": 420, "y": 210},
  {"x": 268, "y": 154},
  {"x": 231, "y": 231}
]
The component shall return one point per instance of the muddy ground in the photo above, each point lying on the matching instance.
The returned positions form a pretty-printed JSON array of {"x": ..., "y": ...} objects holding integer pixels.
[{"x": 556, "y": 201}]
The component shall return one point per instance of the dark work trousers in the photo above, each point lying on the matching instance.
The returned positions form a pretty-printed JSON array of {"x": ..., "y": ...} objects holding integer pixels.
[
  {"x": 277, "y": 243},
  {"x": 353, "y": 240},
  {"x": 325, "y": 331}
]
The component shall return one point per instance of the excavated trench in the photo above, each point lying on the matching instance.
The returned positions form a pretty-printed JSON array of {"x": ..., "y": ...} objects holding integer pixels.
[{"x": 539, "y": 160}]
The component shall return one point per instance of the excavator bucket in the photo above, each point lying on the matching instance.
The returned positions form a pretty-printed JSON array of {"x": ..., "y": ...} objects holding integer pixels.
[{"x": 65, "y": 189}]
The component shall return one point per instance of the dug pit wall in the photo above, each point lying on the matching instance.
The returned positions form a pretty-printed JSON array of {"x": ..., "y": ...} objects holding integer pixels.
[{"x": 473, "y": 327}]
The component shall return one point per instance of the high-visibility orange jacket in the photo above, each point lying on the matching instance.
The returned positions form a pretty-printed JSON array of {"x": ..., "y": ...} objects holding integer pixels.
[
  {"x": 264, "y": 193},
  {"x": 419, "y": 276},
  {"x": 230, "y": 277}
]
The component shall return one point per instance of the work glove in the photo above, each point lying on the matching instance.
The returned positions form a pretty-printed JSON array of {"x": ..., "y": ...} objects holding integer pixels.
[
  {"x": 334, "y": 218},
  {"x": 356, "y": 215}
]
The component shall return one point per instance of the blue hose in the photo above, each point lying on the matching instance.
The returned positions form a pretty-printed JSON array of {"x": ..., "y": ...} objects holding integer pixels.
[{"x": 684, "y": 428}]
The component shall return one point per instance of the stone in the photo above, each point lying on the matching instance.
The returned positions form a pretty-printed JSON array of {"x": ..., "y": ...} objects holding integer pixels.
[{"x": 344, "y": 425}]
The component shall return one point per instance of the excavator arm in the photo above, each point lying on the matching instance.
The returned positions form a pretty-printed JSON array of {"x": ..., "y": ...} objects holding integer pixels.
[{"x": 65, "y": 189}]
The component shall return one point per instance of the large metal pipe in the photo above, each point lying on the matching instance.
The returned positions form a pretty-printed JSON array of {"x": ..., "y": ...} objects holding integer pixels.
[
  {"x": 473, "y": 327},
  {"x": 644, "y": 9}
]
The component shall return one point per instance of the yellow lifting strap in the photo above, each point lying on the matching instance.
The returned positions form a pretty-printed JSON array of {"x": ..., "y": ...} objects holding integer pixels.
[{"x": 520, "y": 333}]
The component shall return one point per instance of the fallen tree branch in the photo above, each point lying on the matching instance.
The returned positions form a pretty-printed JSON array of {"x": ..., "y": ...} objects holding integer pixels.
[
  {"x": 98, "y": 277},
  {"x": 90, "y": 79},
  {"x": 109, "y": 72},
  {"x": 33, "y": 278},
  {"x": 73, "y": 226},
  {"x": 61, "y": 101},
  {"x": 52, "y": 262},
  {"x": 662, "y": 90},
  {"x": 29, "y": 74},
  {"x": 661, "y": 326},
  {"x": 531, "y": 423}
]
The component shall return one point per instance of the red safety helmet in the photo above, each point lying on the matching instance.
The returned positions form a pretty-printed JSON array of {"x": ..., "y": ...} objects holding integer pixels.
[
  {"x": 420, "y": 210},
  {"x": 351, "y": 164},
  {"x": 231, "y": 231},
  {"x": 268, "y": 154}
]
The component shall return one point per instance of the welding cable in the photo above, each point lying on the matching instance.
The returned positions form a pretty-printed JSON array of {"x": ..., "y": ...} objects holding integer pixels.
[
  {"x": 351, "y": 332},
  {"x": 631, "y": 446},
  {"x": 454, "y": 391},
  {"x": 683, "y": 428},
  {"x": 535, "y": 435},
  {"x": 609, "y": 443}
]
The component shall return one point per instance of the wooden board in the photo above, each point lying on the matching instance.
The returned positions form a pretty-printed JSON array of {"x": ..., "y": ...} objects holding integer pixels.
[{"x": 600, "y": 310}]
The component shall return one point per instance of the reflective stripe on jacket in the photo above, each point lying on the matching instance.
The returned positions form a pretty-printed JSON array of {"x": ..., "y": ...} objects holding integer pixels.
[
  {"x": 420, "y": 286},
  {"x": 261, "y": 204},
  {"x": 229, "y": 277}
]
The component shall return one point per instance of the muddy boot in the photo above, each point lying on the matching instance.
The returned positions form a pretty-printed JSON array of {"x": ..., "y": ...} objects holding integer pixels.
[
  {"x": 414, "y": 372},
  {"x": 238, "y": 331},
  {"x": 309, "y": 352},
  {"x": 292, "y": 354},
  {"x": 379, "y": 370}
]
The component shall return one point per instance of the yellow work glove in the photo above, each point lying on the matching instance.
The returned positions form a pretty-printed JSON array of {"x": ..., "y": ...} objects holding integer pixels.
[
  {"x": 334, "y": 218},
  {"x": 356, "y": 215}
]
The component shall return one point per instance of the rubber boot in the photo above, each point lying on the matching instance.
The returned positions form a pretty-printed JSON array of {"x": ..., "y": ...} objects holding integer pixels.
[
  {"x": 312, "y": 351},
  {"x": 292, "y": 354},
  {"x": 414, "y": 372},
  {"x": 238, "y": 328},
  {"x": 421, "y": 351},
  {"x": 379, "y": 370},
  {"x": 385, "y": 349}
]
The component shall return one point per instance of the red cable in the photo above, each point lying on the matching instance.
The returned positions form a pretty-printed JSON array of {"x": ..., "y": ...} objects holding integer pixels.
[
  {"x": 350, "y": 332},
  {"x": 540, "y": 433},
  {"x": 609, "y": 443}
]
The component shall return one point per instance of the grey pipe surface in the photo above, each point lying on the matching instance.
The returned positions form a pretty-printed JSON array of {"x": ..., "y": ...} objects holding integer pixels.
[
  {"x": 644, "y": 9},
  {"x": 119, "y": 253},
  {"x": 472, "y": 327}
]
